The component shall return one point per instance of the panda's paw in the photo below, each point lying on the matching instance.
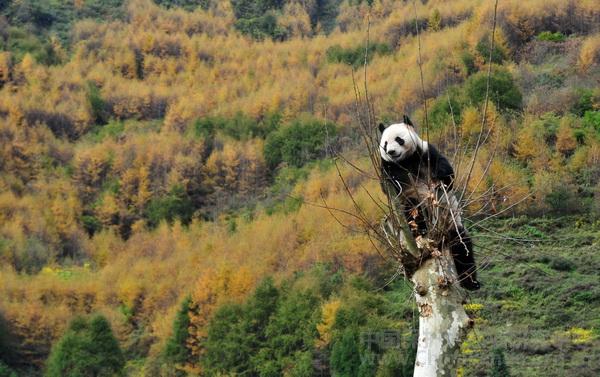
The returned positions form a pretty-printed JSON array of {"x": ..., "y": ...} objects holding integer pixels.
[{"x": 470, "y": 284}]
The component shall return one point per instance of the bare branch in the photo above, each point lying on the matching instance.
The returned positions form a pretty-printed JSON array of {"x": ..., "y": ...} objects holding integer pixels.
[{"x": 487, "y": 94}]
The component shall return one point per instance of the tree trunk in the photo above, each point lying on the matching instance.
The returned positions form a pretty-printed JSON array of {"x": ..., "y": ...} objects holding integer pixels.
[{"x": 443, "y": 322}]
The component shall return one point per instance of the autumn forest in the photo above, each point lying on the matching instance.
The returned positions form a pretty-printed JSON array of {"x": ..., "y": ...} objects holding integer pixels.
[{"x": 164, "y": 165}]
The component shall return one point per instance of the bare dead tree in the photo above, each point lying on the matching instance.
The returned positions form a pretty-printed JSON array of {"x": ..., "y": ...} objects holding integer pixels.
[{"x": 424, "y": 258}]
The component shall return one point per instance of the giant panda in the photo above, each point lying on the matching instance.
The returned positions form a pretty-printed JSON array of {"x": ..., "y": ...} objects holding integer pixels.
[{"x": 407, "y": 159}]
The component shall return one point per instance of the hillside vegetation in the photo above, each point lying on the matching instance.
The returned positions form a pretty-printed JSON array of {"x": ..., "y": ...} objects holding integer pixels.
[{"x": 162, "y": 164}]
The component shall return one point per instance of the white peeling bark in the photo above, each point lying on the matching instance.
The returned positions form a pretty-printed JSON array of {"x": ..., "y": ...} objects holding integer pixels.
[{"x": 443, "y": 322}]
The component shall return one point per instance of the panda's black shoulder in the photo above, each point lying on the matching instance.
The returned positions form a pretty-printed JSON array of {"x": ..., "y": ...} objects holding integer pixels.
[
  {"x": 391, "y": 169},
  {"x": 441, "y": 167},
  {"x": 434, "y": 153}
]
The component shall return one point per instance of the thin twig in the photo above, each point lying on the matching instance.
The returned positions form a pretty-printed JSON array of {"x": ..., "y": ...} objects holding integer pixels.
[{"x": 487, "y": 96}]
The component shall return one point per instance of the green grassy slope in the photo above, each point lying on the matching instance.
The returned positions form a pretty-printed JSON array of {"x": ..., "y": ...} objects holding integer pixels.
[{"x": 540, "y": 301}]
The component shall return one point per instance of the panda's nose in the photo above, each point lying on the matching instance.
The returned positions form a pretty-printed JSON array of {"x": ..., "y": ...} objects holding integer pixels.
[{"x": 392, "y": 152}]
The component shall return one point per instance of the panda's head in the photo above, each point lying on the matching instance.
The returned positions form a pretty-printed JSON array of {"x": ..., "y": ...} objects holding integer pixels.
[{"x": 400, "y": 141}]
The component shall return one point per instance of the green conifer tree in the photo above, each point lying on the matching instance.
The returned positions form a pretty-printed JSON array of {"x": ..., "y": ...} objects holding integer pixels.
[
  {"x": 345, "y": 354},
  {"x": 499, "y": 367},
  {"x": 237, "y": 335},
  {"x": 88, "y": 348},
  {"x": 176, "y": 352}
]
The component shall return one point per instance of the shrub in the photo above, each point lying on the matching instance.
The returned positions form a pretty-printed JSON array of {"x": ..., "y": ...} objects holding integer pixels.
[
  {"x": 551, "y": 37},
  {"x": 561, "y": 264},
  {"x": 468, "y": 61},
  {"x": 584, "y": 102},
  {"x": 591, "y": 119},
  {"x": 503, "y": 90},
  {"x": 549, "y": 80},
  {"x": 34, "y": 255},
  {"x": 98, "y": 106},
  {"x": 284, "y": 182},
  {"x": 483, "y": 49},
  {"x": 443, "y": 110},
  {"x": 324, "y": 13},
  {"x": 254, "y": 8},
  {"x": 88, "y": 348},
  {"x": 499, "y": 367},
  {"x": 298, "y": 143},
  {"x": 239, "y": 127},
  {"x": 257, "y": 18},
  {"x": 261, "y": 27},
  {"x": 356, "y": 56},
  {"x": 175, "y": 205},
  {"x": 188, "y": 5},
  {"x": 112, "y": 129},
  {"x": 562, "y": 200},
  {"x": 301, "y": 364},
  {"x": 46, "y": 17},
  {"x": 91, "y": 224},
  {"x": 242, "y": 127},
  {"x": 20, "y": 43}
]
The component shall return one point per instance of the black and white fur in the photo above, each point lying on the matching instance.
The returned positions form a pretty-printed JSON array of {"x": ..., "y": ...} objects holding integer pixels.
[{"x": 406, "y": 158}]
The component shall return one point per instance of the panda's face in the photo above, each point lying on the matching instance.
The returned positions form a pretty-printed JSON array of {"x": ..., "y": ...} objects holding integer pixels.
[{"x": 399, "y": 141}]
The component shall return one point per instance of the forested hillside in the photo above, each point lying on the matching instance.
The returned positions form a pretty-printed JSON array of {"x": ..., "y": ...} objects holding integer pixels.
[{"x": 163, "y": 166}]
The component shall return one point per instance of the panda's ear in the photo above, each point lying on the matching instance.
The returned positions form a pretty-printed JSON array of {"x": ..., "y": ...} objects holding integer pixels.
[
  {"x": 406, "y": 120},
  {"x": 381, "y": 127}
]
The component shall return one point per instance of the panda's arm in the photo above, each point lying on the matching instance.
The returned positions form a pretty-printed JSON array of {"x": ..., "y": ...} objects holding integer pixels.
[
  {"x": 441, "y": 170},
  {"x": 395, "y": 173}
]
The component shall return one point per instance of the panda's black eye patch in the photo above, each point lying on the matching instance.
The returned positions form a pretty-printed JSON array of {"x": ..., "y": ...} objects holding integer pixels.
[{"x": 400, "y": 140}]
